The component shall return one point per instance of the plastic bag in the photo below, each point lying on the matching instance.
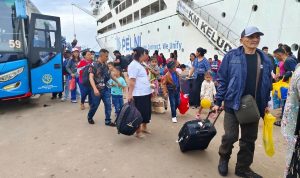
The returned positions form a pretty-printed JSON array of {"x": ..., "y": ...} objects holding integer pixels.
[
  {"x": 276, "y": 101},
  {"x": 184, "y": 103},
  {"x": 72, "y": 84},
  {"x": 277, "y": 86},
  {"x": 269, "y": 120}
]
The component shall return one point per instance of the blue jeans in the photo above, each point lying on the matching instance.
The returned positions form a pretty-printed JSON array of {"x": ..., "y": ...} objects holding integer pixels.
[
  {"x": 73, "y": 92},
  {"x": 118, "y": 102},
  {"x": 105, "y": 97},
  {"x": 174, "y": 97},
  {"x": 85, "y": 91},
  {"x": 66, "y": 88}
]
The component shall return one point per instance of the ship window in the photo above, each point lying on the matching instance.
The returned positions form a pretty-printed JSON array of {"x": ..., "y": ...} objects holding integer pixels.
[
  {"x": 169, "y": 27},
  {"x": 145, "y": 11},
  {"x": 223, "y": 14},
  {"x": 154, "y": 7},
  {"x": 135, "y": 1},
  {"x": 128, "y": 3},
  {"x": 129, "y": 19},
  {"x": 254, "y": 8},
  {"x": 105, "y": 18},
  {"x": 117, "y": 10},
  {"x": 136, "y": 15},
  {"x": 295, "y": 46},
  {"x": 122, "y": 6},
  {"x": 162, "y": 5},
  {"x": 158, "y": 29},
  {"x": 107, "y": 28}
]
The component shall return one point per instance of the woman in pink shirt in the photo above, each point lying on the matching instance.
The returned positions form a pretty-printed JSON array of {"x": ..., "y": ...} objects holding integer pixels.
[{"x": 84, "y": 90}]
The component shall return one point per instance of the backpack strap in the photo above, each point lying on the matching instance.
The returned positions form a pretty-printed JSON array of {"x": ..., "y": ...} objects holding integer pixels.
[{"x": 257, "y": 72}]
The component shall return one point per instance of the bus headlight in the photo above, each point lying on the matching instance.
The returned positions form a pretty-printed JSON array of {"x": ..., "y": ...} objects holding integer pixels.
[
  {"x": 10, "y": 75},
  {"x": 12, "y": 86}
]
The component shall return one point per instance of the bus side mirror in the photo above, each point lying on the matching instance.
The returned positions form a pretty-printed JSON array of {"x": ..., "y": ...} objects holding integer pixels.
[{"x": 20, "y": 9}]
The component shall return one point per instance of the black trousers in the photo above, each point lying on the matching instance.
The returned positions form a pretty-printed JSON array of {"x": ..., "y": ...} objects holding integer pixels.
[
  {"x": 246, "y": 142},
  {"x": 196, "y": 90},
  {"x": 143, "y": 104}
]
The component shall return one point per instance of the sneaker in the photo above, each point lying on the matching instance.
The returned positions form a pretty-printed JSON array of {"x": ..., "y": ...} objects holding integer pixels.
[
  {"x": 53, "y": 97},
  {"x": 111, "y": 124},
  {"x": 86, "y": 100},
  {"x": 63, "y": 99},
  {"x": 247, "y": 173},
  {"x": 223, "y": 167},
  {"x": 174, "y": 120},
  {"x": 73, "y": 101},
  {"x": 91, "y": 121}
]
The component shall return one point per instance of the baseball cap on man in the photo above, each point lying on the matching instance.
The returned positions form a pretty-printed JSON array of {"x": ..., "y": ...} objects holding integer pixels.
[
  {"x": 116, "y": 52},
  {"x": 75, "y": 49},
  {"x": 248, "y": 31}
]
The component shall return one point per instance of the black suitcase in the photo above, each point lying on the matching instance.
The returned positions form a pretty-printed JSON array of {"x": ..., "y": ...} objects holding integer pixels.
[
  {"x": 128, "y": 120},
  {"x": 197, "y": 134}
]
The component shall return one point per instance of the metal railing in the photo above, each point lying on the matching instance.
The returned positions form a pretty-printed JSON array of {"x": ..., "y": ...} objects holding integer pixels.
[{"x": 217, "y": 25}]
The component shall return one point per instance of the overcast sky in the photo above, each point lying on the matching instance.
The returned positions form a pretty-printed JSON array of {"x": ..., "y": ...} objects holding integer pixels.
[{"x": 85, "y": 25}]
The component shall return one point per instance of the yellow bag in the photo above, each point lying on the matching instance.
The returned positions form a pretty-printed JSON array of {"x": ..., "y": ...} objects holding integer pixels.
[
  {"x": 277, "y": 86},
  {"x": 277, "y": 71},
  {"x": 269, "y": 120}
]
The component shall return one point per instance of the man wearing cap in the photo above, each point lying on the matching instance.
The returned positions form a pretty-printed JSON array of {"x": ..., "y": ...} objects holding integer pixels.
[
  {"x": 239, "y": 75},
  {"x": 171, "y": 86}
]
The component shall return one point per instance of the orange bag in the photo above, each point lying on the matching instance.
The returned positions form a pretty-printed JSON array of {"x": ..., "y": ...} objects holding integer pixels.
[
  {"x": 72, "y": 84},
  {"x": 184, "y": 103}
]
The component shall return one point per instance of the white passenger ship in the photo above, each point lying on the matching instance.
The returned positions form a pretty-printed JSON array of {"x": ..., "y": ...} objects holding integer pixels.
[{"x": 184, "y": 25}]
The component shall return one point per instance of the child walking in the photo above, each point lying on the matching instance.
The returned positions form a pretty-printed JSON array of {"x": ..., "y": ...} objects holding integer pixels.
[
  {"x": 208, "y": 91},
  {"x": 171, "y": 87},
  {"x": 154, "y": 74},
  {"x": 117, "y": 90}
]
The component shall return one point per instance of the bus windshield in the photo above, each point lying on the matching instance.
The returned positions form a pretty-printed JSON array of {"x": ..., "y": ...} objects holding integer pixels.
[{"x": 11, "y": 29}]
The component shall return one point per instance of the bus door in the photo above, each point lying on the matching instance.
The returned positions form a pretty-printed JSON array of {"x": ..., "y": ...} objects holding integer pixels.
[{"x": 45, "y": 54}]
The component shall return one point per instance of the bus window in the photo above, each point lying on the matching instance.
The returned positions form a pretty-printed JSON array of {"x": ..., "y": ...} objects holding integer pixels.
[
  {"x": 39, "y": 40},
  {"x": 45, "y": 24}
]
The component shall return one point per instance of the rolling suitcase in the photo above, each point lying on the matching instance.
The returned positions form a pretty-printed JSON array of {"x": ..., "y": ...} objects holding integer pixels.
[{"x": 197, "y": 134}]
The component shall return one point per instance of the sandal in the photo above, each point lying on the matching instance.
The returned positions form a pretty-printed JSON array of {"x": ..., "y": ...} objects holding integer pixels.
[
  {"x": 139, "y": 135},
  {"x": 278, "y": 123},
  {"x": 147, "y": 131},
  {"x": 82, "y": 107}
]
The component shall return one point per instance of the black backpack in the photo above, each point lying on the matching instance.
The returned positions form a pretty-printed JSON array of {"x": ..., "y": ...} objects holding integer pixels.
[
  {"x": 129, "y": 119},
  {"x": 86, "y": 75}
]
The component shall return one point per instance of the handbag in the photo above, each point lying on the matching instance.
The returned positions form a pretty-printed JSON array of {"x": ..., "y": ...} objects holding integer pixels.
[
  {"x": 248, "y": 111},
  {"x": 72, "y": 84}
]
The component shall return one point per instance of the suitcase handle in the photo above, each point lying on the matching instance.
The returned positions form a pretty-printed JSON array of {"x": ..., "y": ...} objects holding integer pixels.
[{"x": 210, "y": 112}]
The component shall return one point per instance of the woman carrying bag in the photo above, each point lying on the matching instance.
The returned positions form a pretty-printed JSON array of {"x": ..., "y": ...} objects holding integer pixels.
[{"x": 290, "y": 127}]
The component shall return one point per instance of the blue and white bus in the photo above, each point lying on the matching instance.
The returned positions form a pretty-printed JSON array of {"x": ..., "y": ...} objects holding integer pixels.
[{"x": 30, "y": 52}]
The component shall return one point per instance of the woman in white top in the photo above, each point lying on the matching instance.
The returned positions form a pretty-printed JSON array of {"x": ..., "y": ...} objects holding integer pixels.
[{"x": 139, "y": 88}]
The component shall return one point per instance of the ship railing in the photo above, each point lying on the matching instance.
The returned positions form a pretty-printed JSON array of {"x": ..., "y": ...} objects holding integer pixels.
[{"x": 224, "y": 30}]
